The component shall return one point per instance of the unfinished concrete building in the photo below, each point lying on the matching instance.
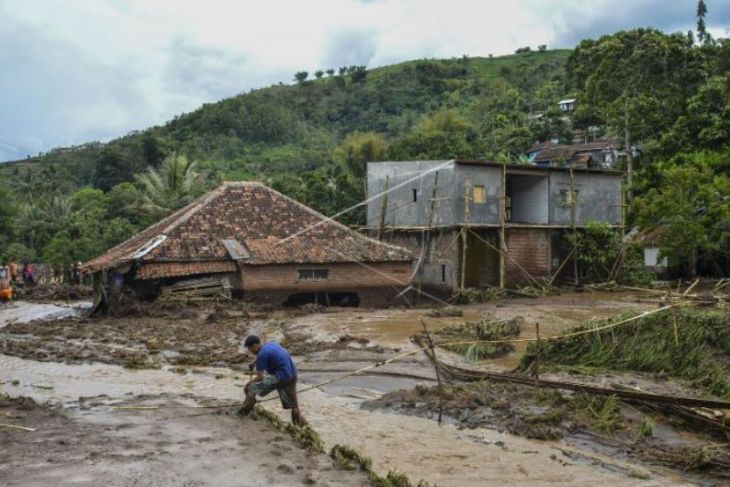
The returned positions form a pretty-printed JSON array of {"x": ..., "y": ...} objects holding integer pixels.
[
  {"x": 474, "y": 224},
  {"x": 263, "y": 245}
]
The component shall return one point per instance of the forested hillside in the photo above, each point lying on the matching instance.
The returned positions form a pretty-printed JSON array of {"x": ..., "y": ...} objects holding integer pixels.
[{"x": 667, "y": 95}]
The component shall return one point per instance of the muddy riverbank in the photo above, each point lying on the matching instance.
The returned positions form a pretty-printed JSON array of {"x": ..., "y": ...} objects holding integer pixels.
[
  {"x": 597, "y": 424},
  {"x": 89, "y": 445}
]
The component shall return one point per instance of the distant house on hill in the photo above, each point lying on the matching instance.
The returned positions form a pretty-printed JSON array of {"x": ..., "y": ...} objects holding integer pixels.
[
  {"x": 265, "y": 245},
  {"x": 567, "y": 105},
  {"x": 598, "y": 154}
]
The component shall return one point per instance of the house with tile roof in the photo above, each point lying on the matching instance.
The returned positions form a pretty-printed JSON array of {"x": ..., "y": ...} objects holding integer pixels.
[{"x": 268, "y": 246}]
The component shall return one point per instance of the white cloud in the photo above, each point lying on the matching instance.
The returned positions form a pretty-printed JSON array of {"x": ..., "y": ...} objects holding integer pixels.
[{"x": 74, "y": 71}]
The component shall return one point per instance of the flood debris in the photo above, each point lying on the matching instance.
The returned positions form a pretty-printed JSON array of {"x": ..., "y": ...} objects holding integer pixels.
[
  {"x": 688, "y": 343},
  {"x": 145, "y": 338},
  {"x": 485, "y": 329},
  {"x": 52, "y": 292},
  {"x": 348, "y": 458},
  {"x": 593, "y": 422}
]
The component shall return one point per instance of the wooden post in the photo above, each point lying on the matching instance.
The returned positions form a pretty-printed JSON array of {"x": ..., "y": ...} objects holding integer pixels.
[
  {"x": 383, "y": 207},
  {"x": 464, "y": 235},
  {"x": 629, "y": 157},
  {"x": 537, "y": 357},
  {"x": 502, "y": 218},
  {"x": 426, "y": 236},
  {"x": 623, "y": 214},
  {"x": 573, "y": 226},
  {"x": 674, "y": 318},
  {"x": 435, "y": 366}
]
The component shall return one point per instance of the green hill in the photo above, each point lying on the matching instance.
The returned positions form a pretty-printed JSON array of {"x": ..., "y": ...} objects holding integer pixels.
[
  {"x": 297, "y": 127},
  {"x": 310, "y": 139}
]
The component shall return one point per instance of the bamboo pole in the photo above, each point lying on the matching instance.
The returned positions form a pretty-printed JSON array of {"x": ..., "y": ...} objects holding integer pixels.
[
  {"x": 502, "y": 230},
  {"x": 436, "y": 367},
  {"x": 426, "y": 235},
  {"x": 573, "y": 226},
  {"x": 537, "y": 355},
  {"x": 15, "y": 427},
  {"x": 464, "y": 245},
  {"x": 560, "y": 267},
  {"x": 384, "y": 207}
]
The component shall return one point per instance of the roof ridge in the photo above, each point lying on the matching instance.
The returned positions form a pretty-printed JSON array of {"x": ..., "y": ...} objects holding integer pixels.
[{"x": 194, "y": 208}]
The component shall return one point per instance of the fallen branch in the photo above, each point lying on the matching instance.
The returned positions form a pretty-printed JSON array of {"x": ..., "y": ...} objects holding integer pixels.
[{"x": 15, "y": 427}]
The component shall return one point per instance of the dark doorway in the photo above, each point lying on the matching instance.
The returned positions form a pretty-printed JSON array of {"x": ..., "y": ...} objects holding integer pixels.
[{"x": 340, "y": 299}]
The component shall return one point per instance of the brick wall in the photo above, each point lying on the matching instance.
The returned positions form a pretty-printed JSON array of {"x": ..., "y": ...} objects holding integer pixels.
[
  {"x": 531, "y": 249},
  {"x": 342, "y": 277}
]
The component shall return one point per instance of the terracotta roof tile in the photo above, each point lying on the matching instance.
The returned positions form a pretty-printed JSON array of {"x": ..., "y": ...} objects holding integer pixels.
[{"x": 263, "y": 221}]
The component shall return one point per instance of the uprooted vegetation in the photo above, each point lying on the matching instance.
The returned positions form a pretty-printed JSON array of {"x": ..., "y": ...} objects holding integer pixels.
[
  {"x": 547, "y": 414},
  {"x": 691, "y": 344},
  {"x": 344, "y": 457},
  {"x": 482, "y": 330}
]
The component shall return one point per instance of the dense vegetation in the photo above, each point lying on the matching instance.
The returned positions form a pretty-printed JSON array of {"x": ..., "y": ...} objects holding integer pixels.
[{"x": 666, "y": 96}]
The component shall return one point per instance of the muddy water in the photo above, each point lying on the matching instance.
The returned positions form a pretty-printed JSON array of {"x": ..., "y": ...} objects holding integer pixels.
[{"x": 393, "y": 328}]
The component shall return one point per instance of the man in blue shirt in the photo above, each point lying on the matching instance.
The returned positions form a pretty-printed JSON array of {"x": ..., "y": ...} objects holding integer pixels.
[{"x": 276, "y": 362}]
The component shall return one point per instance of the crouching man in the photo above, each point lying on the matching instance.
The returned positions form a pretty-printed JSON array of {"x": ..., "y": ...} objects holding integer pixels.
[{"x": 281, "y": 376}]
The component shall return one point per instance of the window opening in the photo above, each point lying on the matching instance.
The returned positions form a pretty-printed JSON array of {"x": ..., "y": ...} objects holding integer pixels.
[
  {"x": 313, "y": 274},
  {"x": 443, "y": 273},
  {"x": 480, "y": 194},
  {"x": 415, "y": 195}
]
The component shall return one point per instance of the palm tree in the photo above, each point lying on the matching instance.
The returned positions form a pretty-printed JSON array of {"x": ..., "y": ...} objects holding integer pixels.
[{"x": 170, "y": 187}]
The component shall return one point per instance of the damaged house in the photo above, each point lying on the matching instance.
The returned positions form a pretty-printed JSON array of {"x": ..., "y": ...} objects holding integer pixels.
[
  {"x": 262, "y": 245},
  {"x": 456, "y": 215}
]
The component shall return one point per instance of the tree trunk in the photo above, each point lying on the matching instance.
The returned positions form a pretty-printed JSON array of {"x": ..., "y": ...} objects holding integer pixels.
[{"x": 629, "y": 159}]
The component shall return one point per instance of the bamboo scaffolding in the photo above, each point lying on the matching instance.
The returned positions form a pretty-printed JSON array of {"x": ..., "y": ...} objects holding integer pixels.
[
  {"x": 464, "y": 245},
  {"x": 383, "y": 208},
  {"x": 502, "y": 222}
]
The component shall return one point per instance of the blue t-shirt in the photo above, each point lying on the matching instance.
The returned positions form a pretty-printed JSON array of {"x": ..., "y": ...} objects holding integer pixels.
[{"x": 275, "y": 360}]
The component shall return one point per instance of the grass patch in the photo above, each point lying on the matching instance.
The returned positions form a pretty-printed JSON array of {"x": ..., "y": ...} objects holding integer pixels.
[
  {"x": 304, "y": 436},
  {"x": 137, "y": 361},
  {"x": 603, "y": 412},
  {"x": 350, "y": 459},
  {"x": 649, "y": 345},
  {"x": 646, "y": 428},
  {"x": 480, "y": 330}
]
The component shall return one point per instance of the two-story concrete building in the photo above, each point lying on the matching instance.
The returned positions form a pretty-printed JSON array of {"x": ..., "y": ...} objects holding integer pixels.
[{"x": 456, "y": 215}]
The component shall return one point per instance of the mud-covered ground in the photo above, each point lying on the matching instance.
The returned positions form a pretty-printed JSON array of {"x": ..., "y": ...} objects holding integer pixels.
[
  {"x": 52, "y": 292},
  {"x": 88, "y": 445},
  {"x": 596, "y": 423},
  {"x": 327, "y": 343},
  {"x": 148, "y": 338}
]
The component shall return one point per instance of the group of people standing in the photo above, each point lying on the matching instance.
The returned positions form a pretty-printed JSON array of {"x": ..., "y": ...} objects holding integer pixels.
[{"x": 11, "y": 275}]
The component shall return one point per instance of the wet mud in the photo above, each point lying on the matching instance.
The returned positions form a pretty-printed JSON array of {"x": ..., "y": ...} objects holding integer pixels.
[
  {"x": 191, "y": 336},
  {"x": 90, "y": 446},
  {"x": 597, "y": 424}
]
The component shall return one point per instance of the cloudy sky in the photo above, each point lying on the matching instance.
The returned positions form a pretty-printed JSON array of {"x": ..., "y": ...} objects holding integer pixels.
[{"x": 79, "y": 70}]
